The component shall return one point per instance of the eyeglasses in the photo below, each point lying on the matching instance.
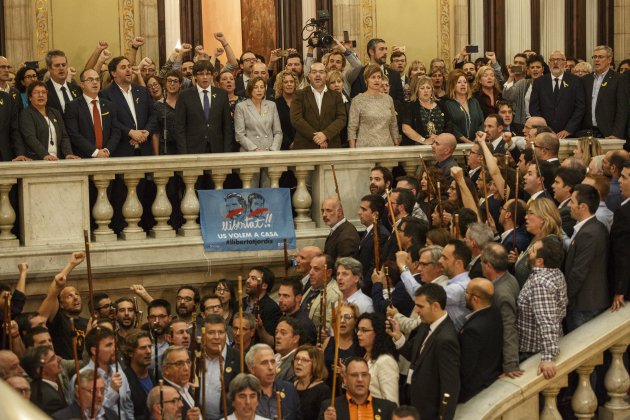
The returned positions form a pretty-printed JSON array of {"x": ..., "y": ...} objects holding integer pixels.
[
  {"x": 347, "y": 317},
  {"x": 90, "y": 79},
  {"x": 99, "y": 390},
  {"x": 186, "y": 299},
  {"x": 251, "y": 60},
  {"x": 153, "y": 85},
  {"x": 30, "y": 76},
  {"x": 213, "y": 307},
  {"x": 302, "y": 360},
  {"x": 557, "y": 60},
  {"x": 175, "y": 401},
  {"x": 221, "y": 290},
  {"x": 154, "y": 317},
  {"x": 424, "y": 264},
  {"x": 180, "y": 363},
  {"x": 599, "y": 57},
  {"x": 106, "y": 306},
  {"x": 172, "y": 81},
  {"x": 362, "y": 330}
]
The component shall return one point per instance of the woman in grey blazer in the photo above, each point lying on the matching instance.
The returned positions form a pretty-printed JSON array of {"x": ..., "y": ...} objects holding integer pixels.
[{"x": 257, "y": 125}]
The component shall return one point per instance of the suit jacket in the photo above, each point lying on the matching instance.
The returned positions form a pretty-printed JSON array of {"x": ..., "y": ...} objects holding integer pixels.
[
  {"x": 506, "y": 292},
  {"x": 78, "y": 119},
  {"x": 239, "y": 86},
  {"x": 522, "y": 240},
  {"x": 36, "y": 133},
  {"x": 195, "y": 134},
  {"x": 395, "y": 85},
  {"x": 138, "y": 395},
  {"x": 307, "y": 119},
  {"x": 313, "y": 308},
  {"x": 563, "y": 111},
  {"x": 611, "y": 109},
  {"x": 567, "y": 221},
  {"x": 186, "y": 406},
  {"x": 619, "y": 251},
  {"x": 257, "y": 130},
  {"x": 342, "y": 242},
  {"x": 11, "y": 144},
  {"x": 73, "y": 411},
  {"x": 365, "y": 254},
  {"x": 53, "y": 101},
  {"x": 47, "y": 398},
  {"x": 145, "y": 118},
  {"x": 515, "y": 128},
  {"x": 475, "y": 269},
  {"x": 586, "y": 266},
  {"x": 481, "y": 343},
  {"x": 384, "y": 409},
  {"x": 435, "y": 369}
]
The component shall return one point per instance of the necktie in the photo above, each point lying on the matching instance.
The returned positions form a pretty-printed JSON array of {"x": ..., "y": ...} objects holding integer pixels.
[
  {"x": 206, "y": 104},
  {"x": 98, "y": 128},
  {"x": 66, "y": 98},
  {"x": 556, "y": 87}
]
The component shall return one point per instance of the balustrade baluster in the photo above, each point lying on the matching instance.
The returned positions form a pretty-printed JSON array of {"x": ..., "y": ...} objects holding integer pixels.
[
  {"x": 550, "y": 410},
  {"x": 247, "y": 175},
  {"x": 132, "y": 209},
  {"x": 584, "y": 400},
  {"x": 162, "y": 207},
  {"x": 103, "y": 210},
  {"x": 410, "y": 167},
  {"x": 302, "y": 198},
  {"x": 190, "y": 204},
  {"x": 218, "y": 177},
  {"x": 274, "y": 174},
  {"x": 7, "y": 215},
  {"x": 617, "y": 383}
]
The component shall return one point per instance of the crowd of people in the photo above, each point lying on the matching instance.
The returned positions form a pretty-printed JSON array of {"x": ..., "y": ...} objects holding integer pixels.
[{"x": 458, "y": 275}]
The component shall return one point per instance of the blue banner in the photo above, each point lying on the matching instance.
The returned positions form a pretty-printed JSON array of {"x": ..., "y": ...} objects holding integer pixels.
[{"x": 246, "y": 220}]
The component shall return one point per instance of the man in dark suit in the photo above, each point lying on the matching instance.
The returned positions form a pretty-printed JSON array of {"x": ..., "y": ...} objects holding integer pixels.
[
  {"x": 60, "y": 91},
  {"x": 620, "y": 243},
  {"x": 377, "y": 52},
  {"x": 586, "y": 262},
  {"x": 509, "y": 239},
  {"x": 558, "y": 97},
  {"x": 481, "y": 340},
  {"x": 246, "y": 62},
  {"x": 565, "y": 180},
  {"x": 608, "y": 115},
  {"x": 358, "y": 396},
  {"x": 136, "y": 123},
  {"x": 140, "y": 378},
  {"x": 11, "y": 144},
  {"x": 434, "y": 352},
  {"x": 83, "y": 392},
  {"x": 370, "y": 208},
  {"x": 90, "y": 120},
  {"x": 176, "y": 367},
  {"x": 43, "y": 366},
  {"x": 506, "y": 111},
  {"x": 343, "y": 240},
  {"x": 477, "y": 236},
  {"x": 202, "y": 116},
  {"x": 317, "y": 123}
]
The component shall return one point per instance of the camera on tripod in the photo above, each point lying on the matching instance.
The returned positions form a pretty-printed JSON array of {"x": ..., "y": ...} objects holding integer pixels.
[{"x": 319, "y": 36}]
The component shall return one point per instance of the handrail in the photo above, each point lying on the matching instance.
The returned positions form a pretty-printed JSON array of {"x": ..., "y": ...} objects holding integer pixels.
[
  {"x": 15, "y": 407},
  {"x": 576, "y": 348}
]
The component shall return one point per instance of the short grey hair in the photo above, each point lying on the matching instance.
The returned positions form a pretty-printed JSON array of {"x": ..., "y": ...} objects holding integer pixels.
[
  {"x": 244, "y": 381},
  {"x": 87, "y": 376},
  {"x": 250, "y": 357},
  {"x": 351, "y": 264},
  {"x": 168, "y": 351},
  {"x": 496, "y": 255},
  {"x": 609, "y": 51},
  {"x": 435, "y": 252},
  {"x": 480, "y": 233},
  {"x": 154, "y": 395}
]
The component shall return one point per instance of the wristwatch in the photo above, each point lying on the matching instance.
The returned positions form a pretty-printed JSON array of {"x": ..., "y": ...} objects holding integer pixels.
[{"x": 404, "y": 268}]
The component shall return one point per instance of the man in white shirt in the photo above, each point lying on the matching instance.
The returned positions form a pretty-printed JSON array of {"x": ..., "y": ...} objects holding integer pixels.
[
  {"x": 349, "y": 273},
  {"x": 60, "y": 92}
]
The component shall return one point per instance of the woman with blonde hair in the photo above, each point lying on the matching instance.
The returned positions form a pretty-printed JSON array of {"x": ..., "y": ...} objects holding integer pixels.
[
  {"x": 284, "y": 90},
  {"x": 463, "y": 112},
  {"x": 372, "y": 121},
  {"x": 582, "y": 69},
  {"x": 311, "y": 372},
  {"x": 542, "y": 220},
  {"x": 335, "y": 82},
  {"x": 586, "y": 148},
  {"x": 424, "y": 119},
  {"x": 439, "y": 82},
  {"x": 486, "y": 90}
]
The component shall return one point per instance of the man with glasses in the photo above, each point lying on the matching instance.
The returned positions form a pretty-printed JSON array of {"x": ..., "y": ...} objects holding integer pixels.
[
  {"x": 187, "y": 301},
  {"x": 258, "y": 303},
  {"x": 443, "y": 148},
  {"x": 43, "y": 366},
  {"x": 474, "y": 159},
  {"x": 90, "y": 120},
  {"x": 102, "y": 305},
  {"x": 84, "y": 392},
  {"x": 606, "y": 94},
  {"x": 247, "y": 61},
  {"x": 176, "y": 365},
  {"x": 164, "y": 403},
  {"x": 559, "y": 97},
  {"x": 358, "y": 402},
  {"x": 546, "y": 146},
  {"x": 218, "y": 354},
  {"x": 208, "y": 131}
]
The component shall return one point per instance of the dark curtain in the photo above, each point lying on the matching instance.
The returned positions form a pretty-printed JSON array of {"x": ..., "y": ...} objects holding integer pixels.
[{"x": 191, "y": 26}]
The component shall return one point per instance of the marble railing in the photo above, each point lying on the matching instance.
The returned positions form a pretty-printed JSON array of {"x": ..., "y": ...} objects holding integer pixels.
[
  {"x": 54, "y": 207},
  {"x": 580, "y": 351}
]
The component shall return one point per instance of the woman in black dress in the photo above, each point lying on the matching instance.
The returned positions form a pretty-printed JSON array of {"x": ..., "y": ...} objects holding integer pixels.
[
  {"x": 424, "y": 119},
  {"x": 309, "y": 368},
  {"x": 348, "y": 346}
]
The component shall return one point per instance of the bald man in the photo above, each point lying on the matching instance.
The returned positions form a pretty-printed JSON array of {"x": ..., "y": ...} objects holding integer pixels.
[
  {"x": 303, "y": 260},
  {"x": 343, "y": 240},
  {"x": 481, "y": 340},
  {"x": 5, "y": 69},
  {"x": 443, "y": 148},
  {"x": 9, "y": 364},
  {"x": 530, "y": 124}
]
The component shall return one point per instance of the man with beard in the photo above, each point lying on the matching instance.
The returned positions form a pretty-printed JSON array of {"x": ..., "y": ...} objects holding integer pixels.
[
  {"x": 469, "y": 71},
  {"x": 125, "y": 316},
  {"x": 187, "y": 300},
  {"x": 248, "y": 330},
  {"x": 381, "y": 179},
  {"x": 289, "y": 301},
  {"x": 138, "y": 373},
  {"x": 170, "y": 407},
  {"x": 377, "y": 52},
  {"x": 258, "y": 303},
  {"x": 102, "y": 305},
  {"x": 43, "y": 366},
  {"x": 159, "y": 318},
  {"x": 117, "y": 388},
  {"x": 61, "y": 304},
  {"x": 343, "y": 240}
]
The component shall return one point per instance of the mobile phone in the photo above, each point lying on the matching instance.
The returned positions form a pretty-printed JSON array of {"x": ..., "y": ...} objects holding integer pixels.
[
  {"x": 354, "y": 43},
  {"x": 283, "y": 53},
  {"x": 472, "y": 49},
  {"x": 517, "y": 69},
  {"x": 32, "y": 64},
  {"x": 402, "y": 49},
  {"x": 346, "y": 36}
]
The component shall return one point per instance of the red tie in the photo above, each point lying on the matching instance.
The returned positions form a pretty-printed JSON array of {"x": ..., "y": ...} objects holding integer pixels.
[{"x": 98, "y": 129}]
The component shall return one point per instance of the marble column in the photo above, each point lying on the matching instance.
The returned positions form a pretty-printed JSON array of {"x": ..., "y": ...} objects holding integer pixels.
[
  {"x": 518, "y": 28},
  {"x": 171, "y": 24},
  {"x": 148, "y": 28},
  {"x": 462, "y": 32},
  {"x": 551, "y": 27},
  {"x": 477, "y": 21},
  {"x": 622, "y": 30},
  {"x": 20, "y": 33},
  {"x": 591, "y": 28}
]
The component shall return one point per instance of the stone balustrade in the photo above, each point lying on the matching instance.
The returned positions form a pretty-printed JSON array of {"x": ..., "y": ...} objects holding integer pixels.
[
  {"x": 580, "y": 351},
  {"x": 54, "y": 209}
]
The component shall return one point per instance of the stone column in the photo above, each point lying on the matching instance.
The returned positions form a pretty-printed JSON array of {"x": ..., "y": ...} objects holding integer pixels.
[
  {"x": 161, "y": 207},
  {"x": 218, "y": 177},
  {"x": 171, "y": 24},
  {"x": 19, "y": 18},
  {"x": 518, "y": 28},
  {"x": 274, "y": 175},
  {"x": 190, "y": 204},
  {"x": 247, "y": 175},
  {"x": 477, "y": 21},
  {"x": 617, "y": 383},
  {"x": 347, "y": 18},
  {"x": 551, "y": 27},
  {"x": 550, "y": 410},
  {"x": 7, "y": 215},
  {"x": 103, "y": 210},
  {"x": 462, "y": 32},
  {"x": 132, "y": 209},
  {"x": 584, "y": 401},
  {"x": 622, "y": 29},
  {"x": 302, "y": 198},
  {"x": 148, "y": 28}
]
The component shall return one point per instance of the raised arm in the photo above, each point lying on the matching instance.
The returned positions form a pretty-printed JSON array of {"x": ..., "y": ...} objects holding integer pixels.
[
  {"x": 467, "y": 198},
  {"x": 229, "y": 52},
  {"x": 50, "y": 305},
  {"x": 491, "y": 164},
  {"x": 100, "y": 47}
]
